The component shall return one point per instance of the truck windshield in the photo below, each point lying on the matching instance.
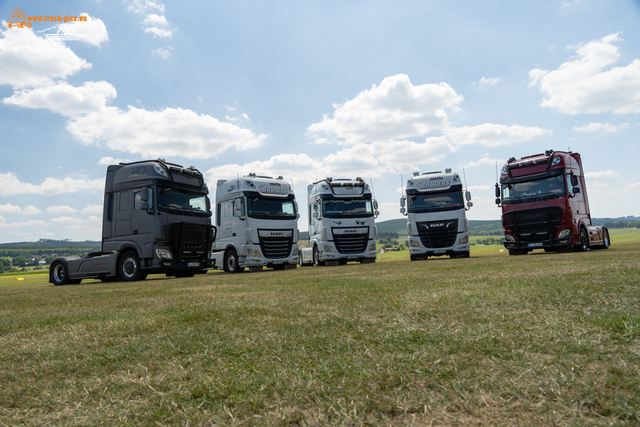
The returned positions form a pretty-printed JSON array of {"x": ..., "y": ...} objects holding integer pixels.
[
  {"x": 179, "y": 201},
  {"x": 433, "y": 202},
  {"x": 347, "y": 208},
  {"x": 262, "y": 208},
  {"x": 540, "y": 189}
]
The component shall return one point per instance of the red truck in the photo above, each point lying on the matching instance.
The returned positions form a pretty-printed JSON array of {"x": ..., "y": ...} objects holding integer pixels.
[{"x": 545, "y": 205}]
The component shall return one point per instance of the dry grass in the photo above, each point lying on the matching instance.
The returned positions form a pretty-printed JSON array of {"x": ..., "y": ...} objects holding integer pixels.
[{"x": 541, "y": 339}]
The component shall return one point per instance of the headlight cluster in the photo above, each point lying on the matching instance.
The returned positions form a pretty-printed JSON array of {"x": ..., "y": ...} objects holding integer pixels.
[
  {"x": 463, "y": 240},
  {"x": 414, "y": 243},
  {"x": 564, "y": 233},
  {"x": 328, "y": 248},
  {"x": 509, "y": 238},
  {"x": 254, "y": 252},
  {"x": 372, "y": 247},
  {"x": 164, "y": 253}
]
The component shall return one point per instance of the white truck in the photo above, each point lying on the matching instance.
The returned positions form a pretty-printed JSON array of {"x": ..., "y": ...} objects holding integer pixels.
[
  {"x": 257, "y": 219},
  {"x": 436, "y": 220},
  {"x": 342, "y": 227}
]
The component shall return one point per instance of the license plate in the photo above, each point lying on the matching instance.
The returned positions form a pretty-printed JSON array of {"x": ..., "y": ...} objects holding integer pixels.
[
  {"x": 193, "y": 264},
  {"x": 535, "y": 245},
  {"x": 440, "y": 251},
  {"x": 278, "y": 262},
  {"x": 352, "y": 256}
]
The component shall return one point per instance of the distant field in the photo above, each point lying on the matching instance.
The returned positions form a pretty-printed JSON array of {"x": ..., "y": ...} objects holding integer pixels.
[{"x": 544, "y": 339}]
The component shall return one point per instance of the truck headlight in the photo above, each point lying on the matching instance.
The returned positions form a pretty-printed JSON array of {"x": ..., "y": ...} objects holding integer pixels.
[
  {"x": 463, "y": 240},
  {"x": 414, "y": 243},
  {"x": 509, "y": 238},
  {"x": 564, "y": 233},
  {"x": 164, "y": 254},
  {"x": 254, "y": 252},
  {"x": 328, "y": 248},
  {"x": 372, "y": 247}
]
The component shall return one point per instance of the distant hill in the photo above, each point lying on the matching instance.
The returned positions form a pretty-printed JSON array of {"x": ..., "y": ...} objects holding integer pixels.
[{"x": 48, "y": 243}]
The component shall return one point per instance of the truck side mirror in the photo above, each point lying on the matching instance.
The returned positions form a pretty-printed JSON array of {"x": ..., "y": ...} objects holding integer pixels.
[
  {"x": 497, "y": 191},
  {"x": 237, "y": 209},
  {"x": 376, "y": 213},
  {"x": 402, "y": 211},
  {"x": 498, "y": 201},
  {"x": 574, "y": 181},
  {"x": 402, "y": 201},
  {"x": 144, "y": 195},
  {"x": 375, "y": 205},
  {"x": 469, "y": 205},
  {"x": 144, "y": 206},
  {"x": 468, "y": 196},
  {"x": 575, "y": 190}
]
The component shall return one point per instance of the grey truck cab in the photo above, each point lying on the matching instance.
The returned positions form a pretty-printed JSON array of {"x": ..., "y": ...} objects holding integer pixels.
[{"x": 156, "y": 219}]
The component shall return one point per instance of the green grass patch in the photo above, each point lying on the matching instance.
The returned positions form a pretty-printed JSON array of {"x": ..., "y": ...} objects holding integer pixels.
[{"x": 542, "y": 339}]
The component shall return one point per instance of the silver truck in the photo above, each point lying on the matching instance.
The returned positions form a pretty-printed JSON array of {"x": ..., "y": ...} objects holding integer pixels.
[{"x": 156, "y": 219}]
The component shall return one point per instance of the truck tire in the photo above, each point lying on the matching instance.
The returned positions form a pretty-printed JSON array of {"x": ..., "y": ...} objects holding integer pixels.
[
  {"x": 129, "y": 267},
  {"x": 607, "y": 242},
  {"x": 316, "y": 257},
  {"x": 300, "y": 263},
  {"x": 231, "y": 262},
  {"x": 59, "y": 274},
  {"x": 584, "y": 240}
]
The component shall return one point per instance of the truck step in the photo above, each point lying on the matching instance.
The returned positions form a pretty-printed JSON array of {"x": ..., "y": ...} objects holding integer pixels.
[
  {"x": 332, "y": 263},
  {"x": 255, "y": 269}
]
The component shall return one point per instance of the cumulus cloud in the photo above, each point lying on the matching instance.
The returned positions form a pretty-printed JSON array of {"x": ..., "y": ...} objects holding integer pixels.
[
  {"x": 31, "y": 224},
  {"x": 482, "y": 161},
  {"x": 111, "y": 161},
  {"x": 92, "y": 209},
  {"x": 65, "y": 99},
  {"x": 494, "y": 135},
  {"x": 9, "y": 208},
  {"x": 394, "y": 110},
  {"x": 34, "y": 60},
  {"x": 164, "y": 53},
  {"x": 60, "y": 209},
  {"x": 10, "y": 185},
  {"x": 73, "y": 220},
  {"x": 153, "y": 19},
  {"x": 602, "y": 174},
  {"x": 158, "y": 32},
  {"x": 92, "y": 31},
  {"x": 587, "y": 83},
  {"x": 31, "y": 210},
  {"x": 600, "y": 127},
  {"x": 170, "y": 132}
]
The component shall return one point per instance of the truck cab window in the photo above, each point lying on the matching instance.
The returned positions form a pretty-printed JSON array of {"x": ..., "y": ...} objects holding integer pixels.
[{"x": 137, "y": 200}]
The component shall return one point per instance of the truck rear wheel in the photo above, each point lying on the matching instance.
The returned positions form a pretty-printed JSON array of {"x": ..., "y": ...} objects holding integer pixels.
[
  {"x": 584, "y": 240},
  {"x": 231, "y": 262},
  {"x": 59, "y": 273},
  {"x": 129, "y": 267},
  {"x": 300, "y": 262},
  {"x": 607, "y": 242}
]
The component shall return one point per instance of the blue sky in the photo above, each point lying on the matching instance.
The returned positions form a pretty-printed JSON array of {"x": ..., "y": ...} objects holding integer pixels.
[{"x": 376, "y": 89}]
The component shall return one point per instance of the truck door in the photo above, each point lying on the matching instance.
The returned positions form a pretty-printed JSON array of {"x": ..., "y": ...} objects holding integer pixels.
[
  {"x": 141, "y": 220},
  {"x": 123, "y": 213},
  {"x": 227, "y": 218}
]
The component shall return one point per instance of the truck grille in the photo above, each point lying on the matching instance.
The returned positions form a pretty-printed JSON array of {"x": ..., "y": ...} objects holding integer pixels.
[
  {"x": 187, "y": 237},
  {"x": 276, "y": 244},
  {"x": 538, "y": 221},
  {"x": 438, "y": 234},
  {"x": 347, "y": 243}
]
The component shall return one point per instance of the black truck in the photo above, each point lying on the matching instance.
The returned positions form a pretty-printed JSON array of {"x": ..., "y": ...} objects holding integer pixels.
[{"x": 156, "y": 219}]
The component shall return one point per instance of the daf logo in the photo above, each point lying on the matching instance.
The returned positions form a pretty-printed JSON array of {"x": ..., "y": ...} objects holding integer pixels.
[
  {"x": 437, "y": 225},
  {"x": 350, "y": 231},
  {"x": 275, "y": 233}
]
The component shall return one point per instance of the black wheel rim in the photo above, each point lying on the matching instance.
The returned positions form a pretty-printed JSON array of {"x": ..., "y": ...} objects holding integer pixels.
[
  {"x": 58, "y": 273},
  {"x": 231, "y": 262}
]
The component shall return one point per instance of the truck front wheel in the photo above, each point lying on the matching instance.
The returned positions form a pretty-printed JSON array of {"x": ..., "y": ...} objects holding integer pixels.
[
  {"x": 316, "y": 257},
  {"x": 129, "y": 267},
  {"x": 231, "y": 261},
  {"x": 584, "y": 240},
  {"x": 59, "y": 274},
  {"x": 300, "y": 262}
]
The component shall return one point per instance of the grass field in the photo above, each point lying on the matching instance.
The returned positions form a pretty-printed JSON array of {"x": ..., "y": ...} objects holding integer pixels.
[{"x": 542, "y": 339}]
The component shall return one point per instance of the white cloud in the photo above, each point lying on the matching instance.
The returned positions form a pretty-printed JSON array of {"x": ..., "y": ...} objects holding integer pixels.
[
  {"x": 34, "y": 60},
  {"x": 65, "y": 99},
  {"x": 158, "y": 32},
  {"x": 60, "y": 209},
  {"x": 2, "y": 219},
  {"x": 9, "y": 208},
  {"x": 111, "y": 161},
  {"x": 93, "y": 30},
  {"x": 142, "y": 6},
  {"x": 479, "y": 188},
  {"x": 482, "y": 161},
  {"x": 31, "y": 210},
  {"x": 164, "y": 53},
  {"x": 494, "y": 135},
  {"x": 583, "y": 85},
  {"x": 72, "y": 220},
  {"x": 10, "y": 185},
  {"x": 394, "y": 110},
  {"x": 152, "y": 20},
  {"x": 31, "y": 224},
  {"x": 489, "y": 81},
  {"x": 92, "y": 209},
  {"x": 602, "y": 174},
  {"x": 600, "y": 127},
  {"x": 170, "y": 132}
]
